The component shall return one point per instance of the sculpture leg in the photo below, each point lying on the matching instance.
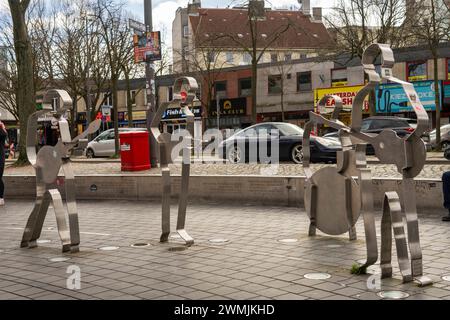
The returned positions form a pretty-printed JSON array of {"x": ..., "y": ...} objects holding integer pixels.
[
  {"x": 367, "y": 208},
  {"x": 409, "y": 196},
  {"x": 35, "y": 222},
  {"x": 392, "y": 218},
  {"x": 61, "y": 222},
  {"x": 182, "y": 209},
  {"x": 348, "y": 202},
  {"x": 313, "y": 212},
  {"x": 72, "y": 207},
  {"x": 166, "y": 197}
]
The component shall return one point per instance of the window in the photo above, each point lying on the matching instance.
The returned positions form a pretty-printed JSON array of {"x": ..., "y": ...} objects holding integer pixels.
[
  {"x": 339, "y": 77},
  {"x": 55, "y": 104},
  {"x": 170, "y": 93},
  {"x": 245, "y": 87},
  {"x": 304, "y": 81},
  {"x": 108, "y": 99},
  {"x": 303, "y": 55},
  {"x": 288, "y": 57},
  {"x": 247, "y": 58},
  {"x": 448, "y": 68},
  {"x": 274, "y": 57},
  {"x": 221, "y": 88},
  {"x": 185, "y": 31},
  {"x": 211, "y": 57},
  {"x": 416, "y": 70},
  {"x": 230, "y": 57},
  {"x": 133, "y": 94},
  {"x": 274, "y": 84}
]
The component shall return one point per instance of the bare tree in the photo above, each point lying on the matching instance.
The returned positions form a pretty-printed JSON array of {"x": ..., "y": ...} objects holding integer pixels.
[
  {"x": 117, "y": 39},
  {"x": 359, "y": 23},
  {"x": 431, "y": 27},
  {"x": 25, "y": 93}
]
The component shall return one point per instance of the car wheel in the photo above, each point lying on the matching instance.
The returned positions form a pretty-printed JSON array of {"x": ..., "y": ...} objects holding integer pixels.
[
  {"x": 235, "y": 155},
  {"x": 447, "y": 154},
  {"x": 90, "y": 154},
  {"x": 445, "y": 145},
  {"x": 297, "y": 154}
]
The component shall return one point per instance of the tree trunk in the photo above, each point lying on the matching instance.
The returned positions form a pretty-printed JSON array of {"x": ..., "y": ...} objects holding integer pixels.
[
  {"x": 129, "y": 99},
  {"x": 438, "y": 105},
  {"x": 254, "y": 91},
  {"x": 114, "y": 84},
  {"x": 25, "y": 95},
  {"x": 283, "y": 118}
]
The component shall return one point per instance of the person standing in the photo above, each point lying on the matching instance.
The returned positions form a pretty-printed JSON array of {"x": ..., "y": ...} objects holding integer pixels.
[{"x": 3, "y": 135}]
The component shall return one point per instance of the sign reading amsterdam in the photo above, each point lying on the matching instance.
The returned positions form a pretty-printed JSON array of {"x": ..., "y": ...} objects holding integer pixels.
[
  {"x": 347, "y": 94},
  {"x": 391, "y": 98},
  {"x": 230, "y": 107},
  {"x": 147, "y": 47}
]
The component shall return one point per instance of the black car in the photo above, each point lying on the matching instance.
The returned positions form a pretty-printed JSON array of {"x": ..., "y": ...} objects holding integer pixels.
[
  {"x": 245, "y": 145},
  {"x": 376, "y": 125}
]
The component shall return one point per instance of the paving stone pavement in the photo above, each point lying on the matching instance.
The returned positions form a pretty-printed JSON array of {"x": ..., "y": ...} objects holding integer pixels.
[
  {"x": 431, "y": 171},
  {"x": 253, "y": 265}
]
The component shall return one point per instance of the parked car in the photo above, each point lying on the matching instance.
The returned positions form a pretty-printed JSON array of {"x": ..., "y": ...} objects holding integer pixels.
[
  {"x": 290, "y": 138},
  {"x": 445, "y": 137},
  {"x": 104, "y": 144}
]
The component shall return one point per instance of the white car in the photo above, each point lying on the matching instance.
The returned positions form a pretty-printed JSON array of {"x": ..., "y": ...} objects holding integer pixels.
[{"x": 104, "y": 144}]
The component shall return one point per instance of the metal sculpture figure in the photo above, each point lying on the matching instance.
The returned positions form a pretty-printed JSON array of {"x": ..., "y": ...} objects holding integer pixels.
[
  {"x": 184, "y": 95},
  {"x": 47, "y": 164},
  {"x": 339, "y": 214}
]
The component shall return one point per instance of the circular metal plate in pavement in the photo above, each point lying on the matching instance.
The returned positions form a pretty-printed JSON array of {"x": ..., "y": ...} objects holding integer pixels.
[
  {"x": 393, "y": 295},
  {"x": 317, "y": 276}
]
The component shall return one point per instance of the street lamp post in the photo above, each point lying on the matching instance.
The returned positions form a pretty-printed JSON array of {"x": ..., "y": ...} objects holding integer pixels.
[{"x": 150, "y": 76}]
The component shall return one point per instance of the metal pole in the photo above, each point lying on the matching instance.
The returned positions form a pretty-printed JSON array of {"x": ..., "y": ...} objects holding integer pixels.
[
  {"x": 218, "y": 112},
  {"x": 150, "y": 76},
  {"x": 88, "y": 67}
]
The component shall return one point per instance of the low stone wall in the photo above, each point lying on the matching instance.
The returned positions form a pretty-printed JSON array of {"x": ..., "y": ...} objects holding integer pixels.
[{"x": 281, "y": 191}]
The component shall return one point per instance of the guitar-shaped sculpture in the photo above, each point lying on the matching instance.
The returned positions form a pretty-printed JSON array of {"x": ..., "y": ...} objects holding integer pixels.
[
  {"x": 47, "y": 164},
  {"x": 334, "y": 198}
]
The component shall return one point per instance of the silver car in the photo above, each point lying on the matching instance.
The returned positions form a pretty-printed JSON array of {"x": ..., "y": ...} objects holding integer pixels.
[{"x": 104, "y": 144}]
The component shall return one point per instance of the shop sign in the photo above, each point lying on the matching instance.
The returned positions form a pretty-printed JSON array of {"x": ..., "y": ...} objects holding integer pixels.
[
  {"x": 347, "y": 94},
  {"x": 391, "y": 98},
  {"x": 230, "y": 107},
  {"x": 177, "y": 114}
]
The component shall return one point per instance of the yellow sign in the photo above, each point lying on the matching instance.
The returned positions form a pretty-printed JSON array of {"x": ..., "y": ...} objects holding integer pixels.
[
  {"x": 417, "y": 78},
  {"x": 139, "y": 115},
  {"x": 347, "y": 94}
]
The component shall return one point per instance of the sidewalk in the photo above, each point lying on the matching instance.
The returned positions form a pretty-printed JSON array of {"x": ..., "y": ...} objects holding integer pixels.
[
  {"x": 254, "y": 264},
  {"x": 90, "y": 167}
]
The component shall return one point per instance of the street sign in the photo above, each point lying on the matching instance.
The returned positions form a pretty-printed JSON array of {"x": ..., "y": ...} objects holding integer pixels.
[
  {"x": 136, "y": 25},
  {"x": 106, "y": 111}
]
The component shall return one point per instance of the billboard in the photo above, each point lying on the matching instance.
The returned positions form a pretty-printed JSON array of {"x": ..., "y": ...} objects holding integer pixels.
[
  {"x": 391, "y": 98},
  {"x": 147, "y": 47},
  {"x": 346, "y": 93}
]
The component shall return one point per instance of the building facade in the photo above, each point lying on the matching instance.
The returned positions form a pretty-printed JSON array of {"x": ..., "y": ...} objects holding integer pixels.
[{"x": 222, "y": 37}]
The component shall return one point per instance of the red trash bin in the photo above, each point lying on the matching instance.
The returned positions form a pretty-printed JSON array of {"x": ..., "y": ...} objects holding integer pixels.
[{"x": 135, "y": 151}]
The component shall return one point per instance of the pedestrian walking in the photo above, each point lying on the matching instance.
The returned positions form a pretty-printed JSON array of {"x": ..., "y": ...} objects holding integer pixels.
[
  {"x": 446, "y": 183},
  {"x": 3, "y": 135}
]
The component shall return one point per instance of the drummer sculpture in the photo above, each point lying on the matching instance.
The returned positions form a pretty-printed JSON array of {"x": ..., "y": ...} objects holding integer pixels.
[
  {"x": 47, "y": 164},
  {"x": 184, "y": 95},
  {"x": 335, "y": 197}
]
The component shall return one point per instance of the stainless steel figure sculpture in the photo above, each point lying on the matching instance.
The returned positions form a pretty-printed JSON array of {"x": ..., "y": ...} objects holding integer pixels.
[
  {"x": 184, "y": 95},
  {"x": 47, "y": 164},
  {"x": 335, "y": 199}
]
